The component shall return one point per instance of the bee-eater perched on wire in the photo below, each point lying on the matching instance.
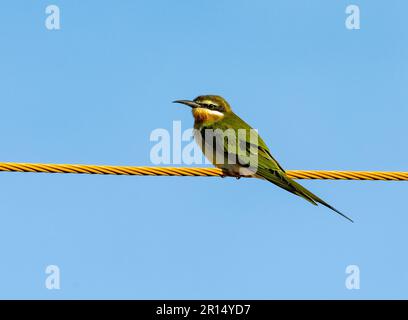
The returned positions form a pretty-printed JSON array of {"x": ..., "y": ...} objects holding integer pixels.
[{"x": 213, "y": 113}]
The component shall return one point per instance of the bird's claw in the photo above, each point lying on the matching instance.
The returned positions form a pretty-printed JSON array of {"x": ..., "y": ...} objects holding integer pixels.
[{"x": 226, "y": 175}]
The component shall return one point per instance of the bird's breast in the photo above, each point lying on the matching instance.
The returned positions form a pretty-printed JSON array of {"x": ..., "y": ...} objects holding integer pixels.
[{"x": 206, "y": 116}]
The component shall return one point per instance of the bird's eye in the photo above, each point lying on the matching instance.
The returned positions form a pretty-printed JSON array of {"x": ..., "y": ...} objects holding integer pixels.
[{"x": 212, "y": 106}]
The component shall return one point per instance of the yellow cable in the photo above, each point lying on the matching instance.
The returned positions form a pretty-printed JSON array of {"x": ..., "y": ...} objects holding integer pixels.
[{"x": 195, "y": 172}]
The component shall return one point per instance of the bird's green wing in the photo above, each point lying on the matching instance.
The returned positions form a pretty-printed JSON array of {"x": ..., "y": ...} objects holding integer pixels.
[
  {"x": 268, "y": 168},
  {"x": 265, "y": 158}
]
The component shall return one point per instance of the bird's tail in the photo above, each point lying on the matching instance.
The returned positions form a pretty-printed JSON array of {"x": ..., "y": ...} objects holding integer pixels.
[
  {"x": 309, "y": 196},
  {"x": 282, "y": 180}
]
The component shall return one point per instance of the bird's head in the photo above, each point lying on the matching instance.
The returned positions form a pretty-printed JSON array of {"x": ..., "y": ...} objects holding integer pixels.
[{"x": 208, "y": 108}]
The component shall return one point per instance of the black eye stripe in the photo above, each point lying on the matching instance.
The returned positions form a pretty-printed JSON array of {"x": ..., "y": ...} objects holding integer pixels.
[{"x": 211, "y": 106}]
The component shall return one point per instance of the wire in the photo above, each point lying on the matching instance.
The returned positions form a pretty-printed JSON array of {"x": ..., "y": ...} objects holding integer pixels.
[{"x": 194, "y": 172}]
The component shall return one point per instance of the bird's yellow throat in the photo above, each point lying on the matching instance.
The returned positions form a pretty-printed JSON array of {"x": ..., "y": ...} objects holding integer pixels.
[{"x": 204, "y": 115}]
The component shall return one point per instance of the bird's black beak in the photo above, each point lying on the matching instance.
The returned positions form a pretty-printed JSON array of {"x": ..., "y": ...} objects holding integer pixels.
[{"x": 189, "y": 103}]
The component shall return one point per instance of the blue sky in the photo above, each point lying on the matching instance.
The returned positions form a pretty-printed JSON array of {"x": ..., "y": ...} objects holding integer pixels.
[{"x": 321, "y": 96}]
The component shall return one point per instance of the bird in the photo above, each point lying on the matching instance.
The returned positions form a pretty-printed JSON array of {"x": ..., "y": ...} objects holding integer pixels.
[{"x": 212, "y": 113}]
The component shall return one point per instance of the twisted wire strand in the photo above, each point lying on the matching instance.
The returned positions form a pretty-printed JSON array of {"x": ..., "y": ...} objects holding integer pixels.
[{"x": 194, "y": 172}]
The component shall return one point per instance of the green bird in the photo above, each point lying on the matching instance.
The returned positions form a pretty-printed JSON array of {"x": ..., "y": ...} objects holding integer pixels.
[{"x": 213, "y": 114}]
